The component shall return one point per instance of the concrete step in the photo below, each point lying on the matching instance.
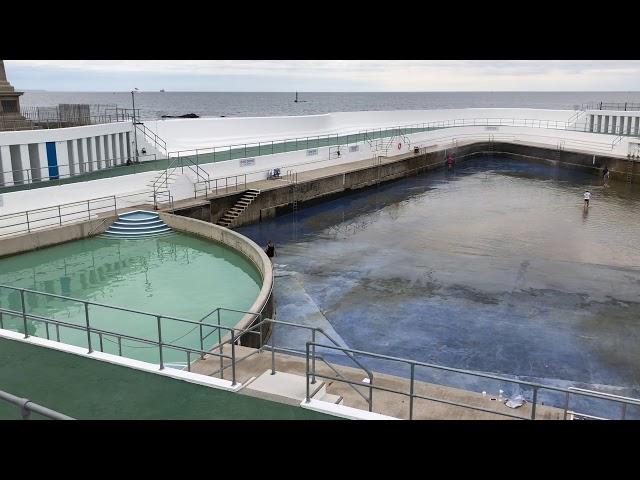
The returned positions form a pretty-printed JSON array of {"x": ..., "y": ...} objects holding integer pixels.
[{"x": 281, "y": 387}]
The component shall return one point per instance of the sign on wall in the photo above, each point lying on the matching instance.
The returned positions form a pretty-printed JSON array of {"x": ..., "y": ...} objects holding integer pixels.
[
  {"x": 354, "y": 148},
  {"x": 313, "y": 151},
  {"x": 247, "y": 162}
]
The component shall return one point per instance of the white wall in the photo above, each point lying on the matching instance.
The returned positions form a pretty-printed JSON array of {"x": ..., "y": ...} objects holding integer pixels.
[{"x": 183, "y": 134}]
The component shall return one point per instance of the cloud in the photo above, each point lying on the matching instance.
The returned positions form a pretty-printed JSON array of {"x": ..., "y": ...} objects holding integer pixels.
[{"x": 380, "y": 75}]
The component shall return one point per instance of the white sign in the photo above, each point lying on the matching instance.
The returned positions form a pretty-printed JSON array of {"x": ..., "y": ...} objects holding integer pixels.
[
  {"x": 491, "y": 128},
  {"x": 354, "y": 148},
  {"x": 247, "y": 162},
  {"x": 313, "y": 151}
]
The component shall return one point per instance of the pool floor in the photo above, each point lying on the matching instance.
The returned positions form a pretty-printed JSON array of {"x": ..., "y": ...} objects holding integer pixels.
[{"x": 494, "y": 267}]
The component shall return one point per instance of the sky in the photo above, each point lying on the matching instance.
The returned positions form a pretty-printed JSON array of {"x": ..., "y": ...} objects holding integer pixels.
[{"x": 324, "y": 75}]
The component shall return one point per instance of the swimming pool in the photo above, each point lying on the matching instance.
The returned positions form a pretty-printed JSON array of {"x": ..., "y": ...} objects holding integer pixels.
[
  {"x": 493, "y": 268},
  {"x": 174, "y": 275}
]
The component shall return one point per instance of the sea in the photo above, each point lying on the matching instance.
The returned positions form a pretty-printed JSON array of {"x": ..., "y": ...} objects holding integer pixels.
[{"x": 154, "y": 105}]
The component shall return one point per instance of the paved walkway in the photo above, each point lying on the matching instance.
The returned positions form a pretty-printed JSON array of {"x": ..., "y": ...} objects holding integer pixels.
[{"x": 386, "y": 403}]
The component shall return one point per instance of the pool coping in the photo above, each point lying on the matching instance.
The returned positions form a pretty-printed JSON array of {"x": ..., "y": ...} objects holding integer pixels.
[
  {"x": 239, "y": 243},
  {"x": 124, "y": 361}
]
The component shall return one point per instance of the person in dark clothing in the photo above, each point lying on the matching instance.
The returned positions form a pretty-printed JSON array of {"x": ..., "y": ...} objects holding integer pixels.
[{"x": 270, "y": 250}]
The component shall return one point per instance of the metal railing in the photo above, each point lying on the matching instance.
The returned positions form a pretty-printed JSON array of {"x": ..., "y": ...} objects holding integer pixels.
[
  {"x": 27, "y": 407},
  {"x": 152, "y": 137},
  {"x": 228, "y": 337},
  {"x": 212, "y": 185},
  {"x": 49, "y": 176},
  {"x": 566, "y": 393},
  {"x": 314, "y": 332},
  {"x": 55, "y": 216},
  {"x": 84, "y": 325},
  {"x": 625, "y": 106},
  {"x": 64, "y": 116}
]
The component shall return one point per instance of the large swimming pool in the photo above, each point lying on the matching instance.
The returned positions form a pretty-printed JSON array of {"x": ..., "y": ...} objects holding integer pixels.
[
  {"x": 172, "y": 275},
  {"x": 493, "y": 268}
]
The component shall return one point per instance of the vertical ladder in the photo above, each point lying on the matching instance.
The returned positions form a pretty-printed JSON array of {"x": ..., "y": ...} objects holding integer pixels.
[{"x": 629, "y": 170}]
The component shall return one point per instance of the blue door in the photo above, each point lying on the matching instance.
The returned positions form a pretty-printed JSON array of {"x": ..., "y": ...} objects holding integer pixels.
[{"x": 52, "y": 161}]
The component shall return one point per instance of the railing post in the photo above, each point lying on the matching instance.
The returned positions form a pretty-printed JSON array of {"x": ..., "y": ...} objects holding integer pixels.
[
  {"x": 120, "y": 346},
  {"x": 413, "y": 368},
  {"x": 86, "y": 318},
  {"x": 307, "y": 399},
  {"x": 24, "y": 314},
  {"x": 273, "y": 351},
  {"x": 201, "y": 343},
  {"x": 624, "y": 405},
  {"x": 160, "y": 342},
  {"x": 59, "y": 215},
  {"x": 88, "y": 211},
  {"x": 533, "y": 403},
  {"x": 28, "y": 226},
  {"x": 566, "y": 405},
  {"x": 313, "y": 355},
  {"x": 233, "y": 357},
  {"x": 221, "y": 350},
  {"x": 1, "y": 321},
  {"x": 24, "y": 411}
]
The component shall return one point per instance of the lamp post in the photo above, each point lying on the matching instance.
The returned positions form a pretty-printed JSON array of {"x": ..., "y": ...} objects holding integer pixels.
[{"x": 135, "y": 129}]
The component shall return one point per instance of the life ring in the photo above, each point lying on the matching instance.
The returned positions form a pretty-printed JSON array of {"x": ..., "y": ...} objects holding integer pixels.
[{"x": 399, "y": 146}]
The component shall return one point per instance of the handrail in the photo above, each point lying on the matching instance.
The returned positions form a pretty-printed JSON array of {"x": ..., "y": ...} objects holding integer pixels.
[
  {"x": 88, "y": 168},
  {"x": 310, "y": 372},
  {"x": 27, "y": 407},
  {"x": 160, "y": 343},
  {"x": 314, "y": 330}
]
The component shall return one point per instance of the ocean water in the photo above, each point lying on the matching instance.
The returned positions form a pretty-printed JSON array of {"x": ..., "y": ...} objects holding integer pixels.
[{"x": 253, "y": 104}]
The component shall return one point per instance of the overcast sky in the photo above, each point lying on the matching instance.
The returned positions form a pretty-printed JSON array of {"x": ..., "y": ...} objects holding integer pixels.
[{"x": 324, "y": 75}]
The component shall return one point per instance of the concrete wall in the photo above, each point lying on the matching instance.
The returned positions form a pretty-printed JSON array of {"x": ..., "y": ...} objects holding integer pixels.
[
  {"x": 184, "y": 134},
  {"x": 34, "y": 160},
  {"x": 279, "y": 200},
  {"x": 264, "y": 303},
  {"x": 54, "y": 236}
]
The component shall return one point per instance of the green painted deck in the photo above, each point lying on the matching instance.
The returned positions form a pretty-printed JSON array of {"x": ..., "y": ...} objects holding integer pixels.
[{"x": 93, "y": 390}]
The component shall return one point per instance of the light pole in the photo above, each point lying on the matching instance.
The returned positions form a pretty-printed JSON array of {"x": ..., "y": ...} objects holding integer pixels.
[{"x": 135, "y": 128}]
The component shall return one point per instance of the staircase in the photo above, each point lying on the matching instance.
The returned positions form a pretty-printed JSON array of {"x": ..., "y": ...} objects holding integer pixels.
[
  {"x": 162, "y": 180},
  {"x": 137, "y": 224},
  {"x": 240, "y": 206}
]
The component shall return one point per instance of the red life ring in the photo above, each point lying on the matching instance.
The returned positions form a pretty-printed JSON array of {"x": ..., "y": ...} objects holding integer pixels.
[{"x": 399, "y": 146}]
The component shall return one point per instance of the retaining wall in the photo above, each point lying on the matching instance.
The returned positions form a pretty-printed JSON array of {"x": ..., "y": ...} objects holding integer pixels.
[
  {"x": 264, "y": 303},
  {"x": 46, "y": 238}
]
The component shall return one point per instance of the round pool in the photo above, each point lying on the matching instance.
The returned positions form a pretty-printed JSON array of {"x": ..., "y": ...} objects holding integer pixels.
[{"x": 174, "y": 275}]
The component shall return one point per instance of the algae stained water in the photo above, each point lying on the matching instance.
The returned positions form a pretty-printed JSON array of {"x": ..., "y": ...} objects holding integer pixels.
[{"x": 173, "y": 275}]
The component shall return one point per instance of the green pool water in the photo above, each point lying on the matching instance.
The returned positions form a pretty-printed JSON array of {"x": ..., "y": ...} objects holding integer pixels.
[{"x": 173, "y": 275}]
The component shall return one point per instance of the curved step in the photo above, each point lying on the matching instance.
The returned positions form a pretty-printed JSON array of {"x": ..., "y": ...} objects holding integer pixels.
[{"x": 137, "y": 224}]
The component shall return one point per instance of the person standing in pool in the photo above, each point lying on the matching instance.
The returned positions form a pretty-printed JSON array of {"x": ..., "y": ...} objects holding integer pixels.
[
  {"x": 587, "y": 197},
  {"x": 450, "y": 162},
  {"x": 270, "y": 250},
  {"x": 605, "y": 176}
]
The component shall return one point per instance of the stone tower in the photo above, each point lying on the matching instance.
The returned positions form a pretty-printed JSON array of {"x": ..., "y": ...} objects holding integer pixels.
[{"x": 9, "y": 98}]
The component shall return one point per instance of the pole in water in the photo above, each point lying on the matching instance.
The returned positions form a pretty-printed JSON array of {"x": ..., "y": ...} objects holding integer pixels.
[{"x": 296, "y": 100}]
